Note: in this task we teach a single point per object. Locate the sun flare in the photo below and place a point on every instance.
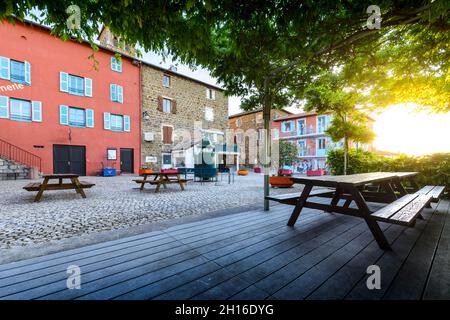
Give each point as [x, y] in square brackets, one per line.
[403, 129]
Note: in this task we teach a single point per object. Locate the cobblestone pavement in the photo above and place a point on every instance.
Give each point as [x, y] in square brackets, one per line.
[112, 203]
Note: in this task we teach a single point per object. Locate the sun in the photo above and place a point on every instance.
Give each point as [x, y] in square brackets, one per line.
[402, 129]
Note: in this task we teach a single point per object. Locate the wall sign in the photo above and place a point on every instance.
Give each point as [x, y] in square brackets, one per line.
[112, 154]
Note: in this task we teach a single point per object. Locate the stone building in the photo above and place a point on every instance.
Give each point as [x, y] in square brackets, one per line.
[246, 126]
[172, 106]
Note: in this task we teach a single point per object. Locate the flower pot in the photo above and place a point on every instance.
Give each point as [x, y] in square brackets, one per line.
[242, 172]
[281, 182]
[145, 171]
[319, 172]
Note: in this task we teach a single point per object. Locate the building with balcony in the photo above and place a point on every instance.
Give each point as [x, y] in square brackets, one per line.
[75, 109]
[307, 130]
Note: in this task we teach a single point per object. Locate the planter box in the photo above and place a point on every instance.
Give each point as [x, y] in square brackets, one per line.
[280, 182]
[319, 172]
[285, 172]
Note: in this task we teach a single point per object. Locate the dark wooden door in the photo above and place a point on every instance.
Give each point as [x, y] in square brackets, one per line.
[126, 161]
[69, 159]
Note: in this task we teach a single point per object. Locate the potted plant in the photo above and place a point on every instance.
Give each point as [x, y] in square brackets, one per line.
[145, 169]
[288, 154]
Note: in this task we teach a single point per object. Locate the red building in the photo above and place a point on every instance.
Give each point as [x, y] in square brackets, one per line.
[77, 110]
[307, 130]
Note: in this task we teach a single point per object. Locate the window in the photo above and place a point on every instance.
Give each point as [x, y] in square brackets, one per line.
[167, 134]
[302, 148]
[301, 127]
[15, 71]
[116, 122]
[209, 114]
[116, 64]
[166, 81]
[75, 85]
[287, 126]
[76, 117]
[116, 93]
[210, 94]
[167, 105]
[321, 124]
[20, 110]
[321, 143]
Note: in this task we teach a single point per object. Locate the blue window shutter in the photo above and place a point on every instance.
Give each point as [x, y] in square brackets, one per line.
[126, 123]
[63, 82]
[88, 87]
[113, 92]
[64, 115]
[4, 107]
[107, 121]
[28, 73]
[5, 68]
[36, 111]
[120, 94]
[89, 118]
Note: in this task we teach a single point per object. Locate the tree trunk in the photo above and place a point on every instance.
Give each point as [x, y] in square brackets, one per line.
[267, 141]
[345, 154]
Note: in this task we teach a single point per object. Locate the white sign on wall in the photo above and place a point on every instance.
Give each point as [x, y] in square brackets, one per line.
[151, 159]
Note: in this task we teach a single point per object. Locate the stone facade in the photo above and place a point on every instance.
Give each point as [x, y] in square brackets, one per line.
[252, 120]
[189, 97]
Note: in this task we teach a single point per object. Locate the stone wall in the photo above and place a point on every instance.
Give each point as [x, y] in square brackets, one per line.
[191, 101]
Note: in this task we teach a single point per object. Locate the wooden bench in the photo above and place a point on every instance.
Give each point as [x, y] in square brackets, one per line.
[56, 186]
[292, 198]
[434, 191]
[404, 210]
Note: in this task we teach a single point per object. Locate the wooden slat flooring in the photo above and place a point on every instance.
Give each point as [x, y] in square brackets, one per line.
[250, 255]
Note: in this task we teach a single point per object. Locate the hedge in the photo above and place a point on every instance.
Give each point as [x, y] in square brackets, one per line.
[433, 169]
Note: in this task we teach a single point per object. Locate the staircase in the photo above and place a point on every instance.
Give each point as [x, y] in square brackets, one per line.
[11, 170]
[17, 163]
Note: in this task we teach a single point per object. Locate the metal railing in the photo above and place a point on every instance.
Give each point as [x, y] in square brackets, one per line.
[19, 155]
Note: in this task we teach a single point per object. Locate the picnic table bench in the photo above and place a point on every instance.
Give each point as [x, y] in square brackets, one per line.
[74, 184]
[403, 208]
[161, 179]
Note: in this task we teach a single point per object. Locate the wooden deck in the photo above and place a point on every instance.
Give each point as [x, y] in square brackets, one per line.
[250, 255]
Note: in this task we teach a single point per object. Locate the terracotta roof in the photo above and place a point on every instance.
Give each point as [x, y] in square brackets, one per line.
[253, 111]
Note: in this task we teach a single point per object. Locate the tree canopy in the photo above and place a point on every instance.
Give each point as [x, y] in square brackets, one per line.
[246, 42]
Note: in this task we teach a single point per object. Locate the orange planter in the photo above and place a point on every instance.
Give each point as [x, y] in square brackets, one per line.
[280, 182]
[242, 172]
[142, 171]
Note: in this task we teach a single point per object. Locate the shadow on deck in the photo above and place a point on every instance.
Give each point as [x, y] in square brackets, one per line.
[250, 255]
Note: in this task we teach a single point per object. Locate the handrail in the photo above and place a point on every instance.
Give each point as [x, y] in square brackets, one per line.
[20, 155]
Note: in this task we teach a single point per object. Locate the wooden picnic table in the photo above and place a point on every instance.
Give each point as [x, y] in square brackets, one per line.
[74, 184]
[161, 179]
[352, 188]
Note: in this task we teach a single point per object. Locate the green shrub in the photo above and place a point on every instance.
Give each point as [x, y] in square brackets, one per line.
[433, 169]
